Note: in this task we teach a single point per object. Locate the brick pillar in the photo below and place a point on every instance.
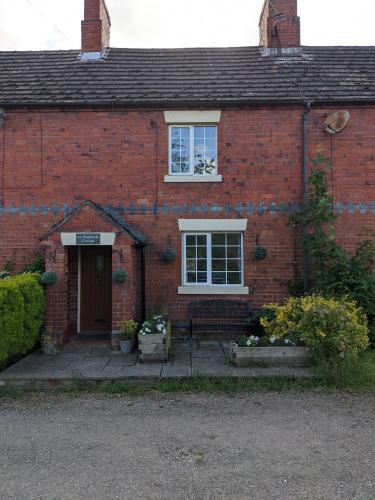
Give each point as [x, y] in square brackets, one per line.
[124, 294]
[279, 24]
[56, 316]
[96, 27]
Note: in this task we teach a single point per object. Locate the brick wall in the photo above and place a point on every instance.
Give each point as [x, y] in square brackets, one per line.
[284, 34]
[64, 157]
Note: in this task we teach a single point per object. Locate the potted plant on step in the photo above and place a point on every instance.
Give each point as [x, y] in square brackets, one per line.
[127, 335]
[154, 339]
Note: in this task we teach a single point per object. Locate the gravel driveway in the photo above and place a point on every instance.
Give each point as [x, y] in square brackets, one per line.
[254, 446]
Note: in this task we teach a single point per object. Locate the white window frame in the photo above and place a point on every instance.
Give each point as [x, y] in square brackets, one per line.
[215, 176]
[209, 283]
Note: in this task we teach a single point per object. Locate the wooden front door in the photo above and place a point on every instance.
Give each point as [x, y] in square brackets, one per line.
[96, 289]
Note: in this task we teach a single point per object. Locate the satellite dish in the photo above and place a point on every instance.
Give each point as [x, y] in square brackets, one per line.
[336, 123]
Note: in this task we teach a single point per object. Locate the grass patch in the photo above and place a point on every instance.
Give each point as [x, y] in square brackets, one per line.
[359, 379]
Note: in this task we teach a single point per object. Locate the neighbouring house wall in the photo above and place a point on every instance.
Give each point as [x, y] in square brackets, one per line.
[51, 161]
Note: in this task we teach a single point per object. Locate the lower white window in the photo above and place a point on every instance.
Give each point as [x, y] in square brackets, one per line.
[213, 259]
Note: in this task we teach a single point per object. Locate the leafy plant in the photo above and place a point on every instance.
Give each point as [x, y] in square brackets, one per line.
[120, 276]
[254, 320]
[49, 342]
[37, 265]
[128, 329]
[49, 278]
[21, 316]
[334, 329]
[333, 271]
[155, 324]
[9, 266]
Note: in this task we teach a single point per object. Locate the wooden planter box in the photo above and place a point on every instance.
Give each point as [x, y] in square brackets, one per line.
[154, 348]
[271, 356]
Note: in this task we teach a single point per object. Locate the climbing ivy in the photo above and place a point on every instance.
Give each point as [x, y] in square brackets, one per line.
[332, 270]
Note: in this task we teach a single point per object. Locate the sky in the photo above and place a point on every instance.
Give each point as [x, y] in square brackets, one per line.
[55, 24]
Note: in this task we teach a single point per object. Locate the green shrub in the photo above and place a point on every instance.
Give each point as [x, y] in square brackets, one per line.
[334, 329]
[21, 315]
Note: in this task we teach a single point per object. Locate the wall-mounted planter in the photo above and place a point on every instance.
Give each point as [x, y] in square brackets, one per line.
[270, 356]
[260, 253]
[169, 255]
[48, 278]
[153, 348]
[120, 276]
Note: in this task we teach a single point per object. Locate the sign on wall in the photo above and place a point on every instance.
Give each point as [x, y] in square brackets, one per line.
[88, 239]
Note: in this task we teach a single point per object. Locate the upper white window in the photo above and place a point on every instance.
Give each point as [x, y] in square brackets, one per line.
[193, 150]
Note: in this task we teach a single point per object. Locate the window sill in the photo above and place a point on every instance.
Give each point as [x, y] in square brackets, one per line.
[213, 290]
[193, 178]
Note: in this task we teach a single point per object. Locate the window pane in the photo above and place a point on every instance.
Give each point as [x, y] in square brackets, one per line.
[202, 277]
[191, 265]
[191, 239]
[180, 149]
[202, 252]
[202, 239]
[191, 252]
[191, 278]
[234, 238]
[234, 265]
[205, 150]
[234, 278]
[210, 132]
[202, 265]
[234, 252]
[218, 239]
[218, 278]
[218, 252]
[218, 265]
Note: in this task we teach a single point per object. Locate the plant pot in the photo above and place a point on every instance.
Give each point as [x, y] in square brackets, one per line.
[271, 356]
[126, 346]
[153, 348]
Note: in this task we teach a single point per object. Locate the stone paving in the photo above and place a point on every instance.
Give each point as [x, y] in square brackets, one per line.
[82, 362]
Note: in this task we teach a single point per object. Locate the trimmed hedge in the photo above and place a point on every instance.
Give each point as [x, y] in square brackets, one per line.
[21, 315]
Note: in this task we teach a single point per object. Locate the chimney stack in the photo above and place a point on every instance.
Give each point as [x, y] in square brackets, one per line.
[96, 28]
[279, 24]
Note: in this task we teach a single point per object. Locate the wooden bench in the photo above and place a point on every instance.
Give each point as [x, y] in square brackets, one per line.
[219, 319]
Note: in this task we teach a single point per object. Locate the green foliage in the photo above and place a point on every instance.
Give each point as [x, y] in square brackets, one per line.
[49, 278]
[254, 321]
[4, 275]
[169, 255]
[37, 265]
[333, 271]
[128, 329]
[21, 315]
[334, 329]
[9, 266]
[120, 276]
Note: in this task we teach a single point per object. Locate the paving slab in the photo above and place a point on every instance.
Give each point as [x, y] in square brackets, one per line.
[101, 363]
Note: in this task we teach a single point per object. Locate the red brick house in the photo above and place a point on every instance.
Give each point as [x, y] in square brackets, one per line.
[110, 156]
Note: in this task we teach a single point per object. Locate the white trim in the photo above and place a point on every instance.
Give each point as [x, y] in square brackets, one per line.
[193, 178]
[79, 292]
[213, 290]
[106, 239]
[192, 116]
[225, 225]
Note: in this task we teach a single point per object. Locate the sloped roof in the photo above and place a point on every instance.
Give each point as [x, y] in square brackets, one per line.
[123, 226]
[172, 77]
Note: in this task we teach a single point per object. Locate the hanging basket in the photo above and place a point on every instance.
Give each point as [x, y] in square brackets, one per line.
[169, 255]
[120, 276]
[260, 253]
[48, 278]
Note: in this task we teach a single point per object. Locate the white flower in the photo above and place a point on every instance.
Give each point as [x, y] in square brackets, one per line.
[286, 341]
[248, 343]
[257, 339]
[273, 339]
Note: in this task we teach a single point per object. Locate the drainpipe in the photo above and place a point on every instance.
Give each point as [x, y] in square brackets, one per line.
[306, 266]
[143, 276]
